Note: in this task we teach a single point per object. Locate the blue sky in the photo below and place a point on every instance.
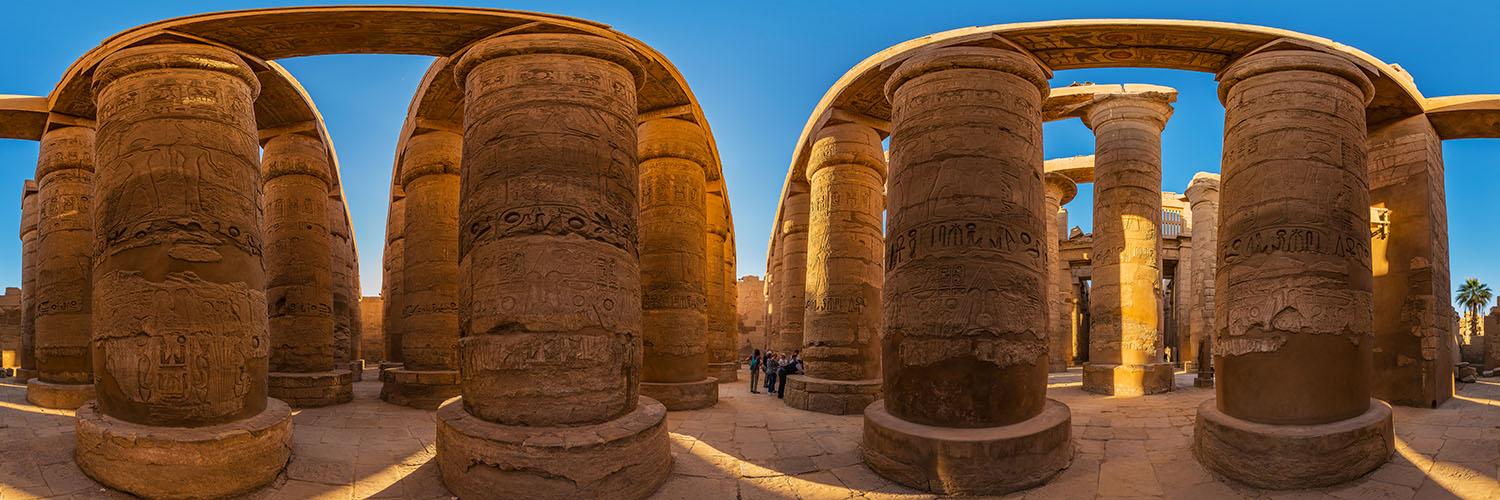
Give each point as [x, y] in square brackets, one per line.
[759, 68]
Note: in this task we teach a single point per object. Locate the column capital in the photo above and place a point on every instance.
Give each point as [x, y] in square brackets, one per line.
[990, 58]
[1060, 189]
[1272, 61]
[28, 207]
[547, 43]
[66, 148]
[1204, 187]
[675, 138]
[434, 153]
[295, 154]
[1150, 106]
[174, 56]
[847, 144]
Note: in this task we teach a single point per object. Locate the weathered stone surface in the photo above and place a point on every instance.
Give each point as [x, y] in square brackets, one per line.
[423, 389]
[973, 461]
[64, 256]
[372, 329]
[1285, 457]
[28, 279]
[169, 463]
[51, 395]
[345, 280]
[838, 397]
[391, 286]
[678, 396]
[722, 355]
[1203, 197]
[1128, 380]
[1060, 190]
[312, 389]
[791, 277]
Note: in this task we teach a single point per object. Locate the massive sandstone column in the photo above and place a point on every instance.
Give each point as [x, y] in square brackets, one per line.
[345, 295]
[841, 325]
[550, 286]
[965, 332]
[674, 157]
[1125, 338]
[391, 286]
[429, 275]
[1060, 190]
[774, 287]
[722, 363]
[179, 337]
[299, 275]
[63, 261]
[1292, 347]
[793, 267]
[1067, 314]
[28, 280]
[732, 296]
[1203, 199]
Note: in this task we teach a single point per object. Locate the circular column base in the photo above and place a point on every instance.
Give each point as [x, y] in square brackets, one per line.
[725, 372]
[627, 458]
[311, 390]
[357, 370]
[835, 397]
[184, 463]
[981, 461]
[683, 395]
[1057, 366]
[1128, 380]
[1203, 382]
[423, 389]
[65, 396]
[25, 374]
[1284, 457]
[386, 366]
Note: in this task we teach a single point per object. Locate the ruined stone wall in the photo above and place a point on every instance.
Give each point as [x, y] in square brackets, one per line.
[372, 329]
[752, 308]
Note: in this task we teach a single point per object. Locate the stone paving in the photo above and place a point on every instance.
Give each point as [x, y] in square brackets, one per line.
[753, 447]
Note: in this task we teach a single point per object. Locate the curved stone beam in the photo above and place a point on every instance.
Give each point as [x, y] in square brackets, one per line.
[1079, 169]
[22, 117]
[1465, 116]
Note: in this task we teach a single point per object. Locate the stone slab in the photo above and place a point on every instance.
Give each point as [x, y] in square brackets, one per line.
[982, 461]
[25, 374]
[65, 396]
[311, 390]
[685, 395]
[1283, 457]
[625, 458]
[835, 397]
[1128, 380]
[724, 372]
[424, 389]
[1203, 382]
[171, 463]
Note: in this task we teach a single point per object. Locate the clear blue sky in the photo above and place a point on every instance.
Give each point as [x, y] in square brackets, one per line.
[759, 68]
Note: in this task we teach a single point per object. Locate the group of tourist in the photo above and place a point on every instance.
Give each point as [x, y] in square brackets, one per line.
[776, 367]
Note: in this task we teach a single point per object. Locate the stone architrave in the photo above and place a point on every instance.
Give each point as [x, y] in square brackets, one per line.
[429, 277]
[845, 247]
[179, 339]
[1203, 199]
[793, 276]
[550, 285]
[1292, 350]
[1125, 299]
[674, 158]
[28, 280]
[304, 371]
[391, 287]
[1060, 190]
[721, 354]
[965, 332]
[64, 262]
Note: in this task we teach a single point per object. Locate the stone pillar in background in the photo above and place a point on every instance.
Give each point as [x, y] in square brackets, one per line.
[1060, 191]
[64, 252]
[732, 296]
[674, 157]
[1184, 290]
[429, 276]
[299, 275]
[345, 297]
[774, 288]
[1292, 350]
[841, 329]
[1203, 199]
[391, 286]
[372, 329]
[551, 346]
[965, 330]
[1067, 316]
[723, 364]
[28, 281]
[794, 268]
[1413, 356]
[1125, 338]
[179, 334]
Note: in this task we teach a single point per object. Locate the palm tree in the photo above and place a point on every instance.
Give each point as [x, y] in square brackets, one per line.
[1473, 295]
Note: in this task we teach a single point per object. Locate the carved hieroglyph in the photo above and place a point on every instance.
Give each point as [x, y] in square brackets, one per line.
[673, 153]
[1060, 190]
[1203, 195]
[720, 340]
[179, 337]
[391, 286]
[344, 276]
[64, 254]
[429, 277]
[299, 286]
[793, 275]
[28, 276]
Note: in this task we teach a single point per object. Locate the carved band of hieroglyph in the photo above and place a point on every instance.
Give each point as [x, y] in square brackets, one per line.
[1259, 323]
[559, 350]
[978, 235]
[1296, 239]
[554, 220]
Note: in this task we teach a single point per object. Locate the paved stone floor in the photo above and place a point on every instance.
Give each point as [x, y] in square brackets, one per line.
[751, 447]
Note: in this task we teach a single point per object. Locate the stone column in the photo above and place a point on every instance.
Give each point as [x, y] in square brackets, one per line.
[775, 286]
[550, 286]
[965, 330]
[1292, 347]
[63, 261]
[1125, 338]
[1203, 199]
[1059, 191]
[722, 363]
[391, 287]
[1067, 301]
[429, 276]
[841, 329]
[673, 160]
[299, 275]
[794, 268]
[28, 281]
[179, 339]
[345, 298]
[732, 296]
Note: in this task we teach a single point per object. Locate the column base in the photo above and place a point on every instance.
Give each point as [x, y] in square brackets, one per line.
[25, 374]
[725, 372]
[311, 390]
[1190, 366]
[386, 366]
[423, 389]
[627, 458]
[683, 395]
[1057, 366]
[836, 397]
[357, 370]
[982, 461]
[1128, 380]
[184, 463]
[1284, 457]
[1203, 382]
[64, 396]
